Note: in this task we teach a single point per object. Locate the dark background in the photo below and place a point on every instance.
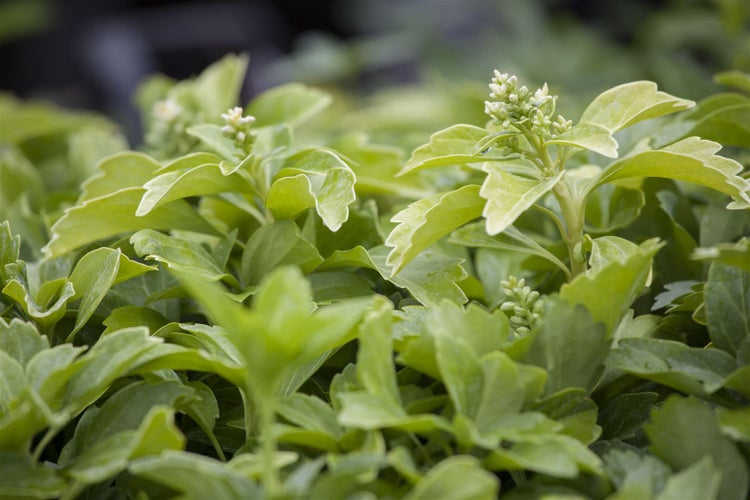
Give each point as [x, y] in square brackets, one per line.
[91, 54]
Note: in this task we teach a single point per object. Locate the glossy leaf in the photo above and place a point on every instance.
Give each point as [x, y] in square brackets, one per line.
[120, 171]
[425, 221]
[630, 103]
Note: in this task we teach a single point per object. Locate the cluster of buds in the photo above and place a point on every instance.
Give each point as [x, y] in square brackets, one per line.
[167, 131]
[523, 305]
[519, 108]
[237, 127]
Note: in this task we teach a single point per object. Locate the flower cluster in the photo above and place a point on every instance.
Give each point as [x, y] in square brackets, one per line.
[518, 107]
[166, 135]
[237, 127]
[523, 305]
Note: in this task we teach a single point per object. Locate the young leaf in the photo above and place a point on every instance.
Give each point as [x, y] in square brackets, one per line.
[590, 136]
[114, 214]
[734, 254]
[630, 103]
[701, 480]
[509, 195]
[451, 146]
[217, 88]
[425, 221]
[292, 103]
[692, 160]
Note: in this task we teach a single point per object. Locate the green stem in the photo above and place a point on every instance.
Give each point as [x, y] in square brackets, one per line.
[271, 481]
[573, 216]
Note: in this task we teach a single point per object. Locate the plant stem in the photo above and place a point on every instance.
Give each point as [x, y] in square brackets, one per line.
[271, 482]
[573, 216]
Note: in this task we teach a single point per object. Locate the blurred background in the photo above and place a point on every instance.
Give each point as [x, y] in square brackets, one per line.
[90, 54]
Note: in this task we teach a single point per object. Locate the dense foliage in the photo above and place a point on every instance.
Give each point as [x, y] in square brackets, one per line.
[264, 302]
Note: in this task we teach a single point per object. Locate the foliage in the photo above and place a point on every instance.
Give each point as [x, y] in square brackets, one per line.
[254, 306]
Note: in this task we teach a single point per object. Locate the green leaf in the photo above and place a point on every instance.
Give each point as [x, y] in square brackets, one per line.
[575, 410]
[292, 103]
[274, 245]
[180, 254]
[114, 214]
[685, 431]
[20, 418]
[570, 345]
[692, 160]
[22, 478]
[10, 248]
[612, 207]
[281, 333]
[626, 414]
[327, 184]
[21, 340]
[555, 455]
[475, 235]
[48, 306]
[734, 254]
[199, 180]
[218, 87]
[213, 137]
[727, 299]
[95, 274]
[310, 412]
[430, 277]
[509, 195]
[128, 407]
[196, 476]
[722, 118]
[590, 136]
[456, 477]
[700, 481]
[620, 267]
[425, 221]
[376, 371]
[111, 454]
[630, 103]
[128, 169]
[735, 79]
[454, 145]
[109, 358]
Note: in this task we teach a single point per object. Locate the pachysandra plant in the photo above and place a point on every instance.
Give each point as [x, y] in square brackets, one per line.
[533, 158]
[221, 314]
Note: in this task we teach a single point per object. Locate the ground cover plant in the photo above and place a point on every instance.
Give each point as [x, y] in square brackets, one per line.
[265, 302]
